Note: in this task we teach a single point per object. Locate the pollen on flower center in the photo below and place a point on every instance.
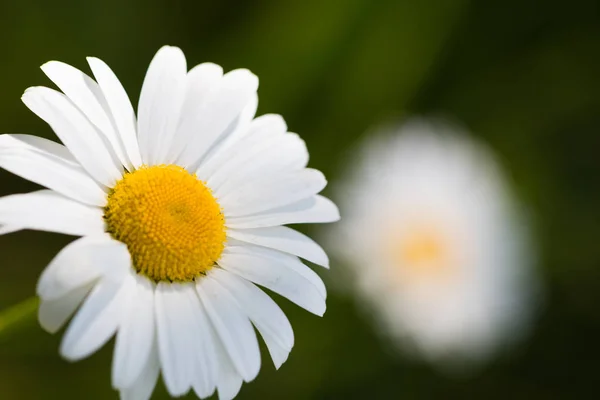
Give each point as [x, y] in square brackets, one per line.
[171, 223]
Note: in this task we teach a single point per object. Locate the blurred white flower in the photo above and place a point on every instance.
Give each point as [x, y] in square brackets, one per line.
[434, 244]
[181, 212]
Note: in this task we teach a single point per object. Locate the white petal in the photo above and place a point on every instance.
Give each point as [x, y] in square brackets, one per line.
[283, 239]
[45, 146]
[205, 378]
[279, 354]
[120, 107]
[82, 139]
[276, 191]
[224, 163]
[229, 381]
[239, 128]
[271, 123]
[135, 336]
[202, 84]
[232, 327]
[79, 263]
[53, 314]
[98, 318]
[268, 318]
[185, 341]
[285, 261]
[286, 153]
[42, 161]
[4, 229]
[209, 123]
[173, 312]
[46, 210]
[313, 210]
[85, 93]
[160, 103]
[277, 271]
[236, 131]
[144, 386]
[229, 384]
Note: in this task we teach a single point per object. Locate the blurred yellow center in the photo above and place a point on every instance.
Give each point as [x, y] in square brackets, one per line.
[422, 248]
[422, 252]
[171, 223]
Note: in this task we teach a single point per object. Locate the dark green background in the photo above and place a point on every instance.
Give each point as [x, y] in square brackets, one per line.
[522, 75]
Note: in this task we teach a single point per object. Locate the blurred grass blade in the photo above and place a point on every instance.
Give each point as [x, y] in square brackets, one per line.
[21, 314]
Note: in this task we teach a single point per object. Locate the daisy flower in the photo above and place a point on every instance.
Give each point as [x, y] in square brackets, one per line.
[180, 213]
[433, 243]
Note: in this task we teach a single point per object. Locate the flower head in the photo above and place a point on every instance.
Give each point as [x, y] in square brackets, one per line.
[180, 212]
[434, 244]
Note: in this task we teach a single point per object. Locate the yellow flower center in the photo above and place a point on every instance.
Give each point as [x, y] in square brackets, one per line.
[423, 248]
[170, 221]
[422, 252]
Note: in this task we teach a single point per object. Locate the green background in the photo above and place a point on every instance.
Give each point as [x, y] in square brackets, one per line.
[522, 75]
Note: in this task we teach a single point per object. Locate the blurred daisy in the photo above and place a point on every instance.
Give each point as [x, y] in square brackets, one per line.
[433, 242]
[180, 213]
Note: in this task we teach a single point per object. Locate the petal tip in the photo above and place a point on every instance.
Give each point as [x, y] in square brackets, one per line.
[49, 64]
[28, 91]
[170, 50]
[68, 354]
[321, 313]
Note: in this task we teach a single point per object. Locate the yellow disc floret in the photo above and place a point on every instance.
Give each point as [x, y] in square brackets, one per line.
[171, 223]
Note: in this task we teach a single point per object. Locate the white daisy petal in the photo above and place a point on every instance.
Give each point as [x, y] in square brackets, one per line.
[42, 145]
[4, 229]
[279, 354]
[285, 154]
[52, 314]
[232, 327]
[144, 385]
[284, 260]
[173, 313]
[236, 89]
[85, 93]
[185, 341]
[120, 107]
[135, 337]
[205, 377]
[283, 239]
[274, 124]
[278, 191]
[82, 139]
[160, 103]
[260, 137]
[43, 161]
[239, 128]
[202, 84]
[98, 318]
[278, 272]
[79, 263]
[229, 381]
[46, 210]
[268, 318]
[236, 131]
[317, 209]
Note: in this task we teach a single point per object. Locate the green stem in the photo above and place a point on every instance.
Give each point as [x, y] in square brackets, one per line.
[18, 315]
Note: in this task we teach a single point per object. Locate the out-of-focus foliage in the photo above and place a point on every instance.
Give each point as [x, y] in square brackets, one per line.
[523, 75]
